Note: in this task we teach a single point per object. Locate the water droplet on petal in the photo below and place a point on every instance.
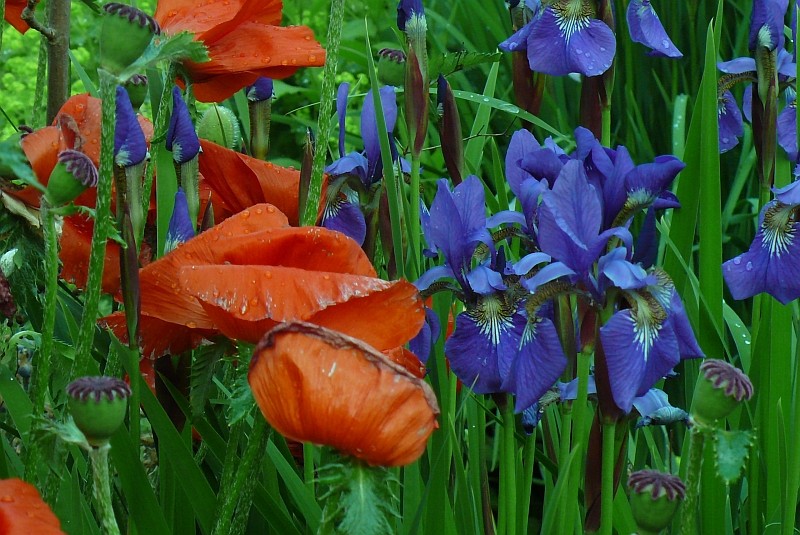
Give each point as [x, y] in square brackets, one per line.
[737, 260]
[749, 266]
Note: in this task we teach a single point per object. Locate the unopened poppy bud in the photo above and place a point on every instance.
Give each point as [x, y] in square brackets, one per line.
[73, 173]
[98, 406]
[136, 86]
[220, 125]
[720, 388]
[391, 66]
[654, 498]
[125, 32]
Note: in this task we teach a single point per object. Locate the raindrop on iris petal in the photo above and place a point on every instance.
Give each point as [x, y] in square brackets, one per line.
[602, 49]
[748, 266]
[665, 43]
[725, 140]
[737, 260]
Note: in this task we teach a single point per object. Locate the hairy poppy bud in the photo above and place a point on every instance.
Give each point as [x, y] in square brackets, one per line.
[73, 173]
[654, 498]
[720, 388]
[124, 34]
[220, 125]
[98, 406]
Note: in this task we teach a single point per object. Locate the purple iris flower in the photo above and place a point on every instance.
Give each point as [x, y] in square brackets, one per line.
[181, 137]
[787, 129]
[645, 27]
[130, 146]
[421, 344]
[643, 342]
[408, 9]
[180, 228]
[496, 345]
[731, 126]
[772, 264]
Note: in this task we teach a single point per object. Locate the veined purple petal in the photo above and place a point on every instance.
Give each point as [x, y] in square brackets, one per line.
[591, 50]
[787, 131]
[341, 112]
[747, 103]
[521, 143]
[789, 194]
[647, 181]
[421, 344]
[434, 274]
[130, 146]
[646, 249]
[181, 136]
[528, 262]
[737, 66]
[353, 164]
[518, 41]
[772, 264]
[484, 280]
[646, 28]
[537, 365]
[343, 214]
[653, 400]
[505, 217]
[548, 273]
[180, 228]
[613, 188]
[766, 23]
[541, 164]
[425, 222]
[687, 343]
[624, 274]
[731, 127]
[786, 65]
[369, 126]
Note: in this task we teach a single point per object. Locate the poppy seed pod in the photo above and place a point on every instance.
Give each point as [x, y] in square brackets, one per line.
[391, 66]
[720, 389]
[98, 406]
[73, 173]
[318, 385]
[124, 34]
[136, 86]
[654, 498]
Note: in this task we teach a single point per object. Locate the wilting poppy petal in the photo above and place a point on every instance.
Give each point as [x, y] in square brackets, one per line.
[238, 181]
[406, 359]
[317, 385]
[22, 510]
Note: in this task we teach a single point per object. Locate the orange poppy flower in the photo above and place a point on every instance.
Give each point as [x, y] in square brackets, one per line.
[244, 40]
[317, 385]
[252, 271]
[22, 510]
[13, 14]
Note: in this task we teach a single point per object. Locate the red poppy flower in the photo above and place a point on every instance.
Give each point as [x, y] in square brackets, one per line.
[244, 40]
[317, 385]
[253, 271]
[23, 512]
[13, 14]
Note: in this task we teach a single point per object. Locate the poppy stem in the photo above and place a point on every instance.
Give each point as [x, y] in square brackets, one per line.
[693, 471]
[310, 210]
[102, 489]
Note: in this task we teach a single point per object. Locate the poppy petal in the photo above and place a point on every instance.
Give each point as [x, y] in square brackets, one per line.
[320, 386]
[76, 245]
[22, 510]
[182, 15]
[13, 14]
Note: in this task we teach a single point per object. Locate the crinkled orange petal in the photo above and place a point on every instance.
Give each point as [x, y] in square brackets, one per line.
[263, 12]
[317, 385]
[76, 245]
[246, 301]
[238, 181]
[219, 88]
[23, 512]
[157, 337]
[406, 359]
[13, 14]
[175, 16]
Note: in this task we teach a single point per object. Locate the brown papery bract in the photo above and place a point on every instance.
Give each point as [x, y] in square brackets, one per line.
[317, 385]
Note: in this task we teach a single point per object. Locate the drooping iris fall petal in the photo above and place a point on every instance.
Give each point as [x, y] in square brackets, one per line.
[317, 385]
[244, 41]
[23, 512]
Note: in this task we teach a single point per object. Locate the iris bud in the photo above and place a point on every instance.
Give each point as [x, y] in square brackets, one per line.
[98, 406]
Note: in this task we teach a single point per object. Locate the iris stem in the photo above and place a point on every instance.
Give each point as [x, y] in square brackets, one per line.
[41, 372]
[509, 498]
[310, 210]
[607, 488]
[102, 223]
[693, 473]
[102, 489]
[579, 412]
[414, 224]
[565, 508]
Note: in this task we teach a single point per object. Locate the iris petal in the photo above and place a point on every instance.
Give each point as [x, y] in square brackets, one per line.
[646, 28]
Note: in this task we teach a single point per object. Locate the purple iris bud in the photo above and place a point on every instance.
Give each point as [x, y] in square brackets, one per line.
[261, 90]
[772, 264]
[181, 137]
[130, 146]
[406, 9]
[180, 228]
[766, 24]
[565, 37]
[645, 27]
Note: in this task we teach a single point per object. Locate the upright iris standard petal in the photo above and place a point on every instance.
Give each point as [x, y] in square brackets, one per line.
[341, 112]
[772, 264]
[646, 28]
[180, 228]
[130, 147]
[369, 127]
[181, 137]
[567, 38]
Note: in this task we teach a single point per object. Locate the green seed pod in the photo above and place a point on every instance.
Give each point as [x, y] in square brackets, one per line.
[654, 498]
[136, 86]
[73, 173]
[220, 125]
[125, 32]
[98, 406]
[391, 66]
[720, 388]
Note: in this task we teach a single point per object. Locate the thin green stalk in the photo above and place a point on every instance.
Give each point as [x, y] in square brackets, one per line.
[308, 466]
[564, 508]
[509, 482]
[693, 471]
[414, 224]
[102, 489]
[605, 112]
[607, 489]
[41, 372]
[580, 428]
[83, 352]
[529, 459]
[253, 453]
[2, 26]
[310, 210]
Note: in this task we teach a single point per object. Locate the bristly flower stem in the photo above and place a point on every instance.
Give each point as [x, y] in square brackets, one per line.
[83, 352]
[102, 489]
[310, 210]
[693, 471]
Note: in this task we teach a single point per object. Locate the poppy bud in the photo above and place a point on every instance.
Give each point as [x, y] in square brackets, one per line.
[98, 406]
[125, 32]
[73, 173]
[220, 125]
[720, 388]
[654, 499]
[391, 66]
[136, 86]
